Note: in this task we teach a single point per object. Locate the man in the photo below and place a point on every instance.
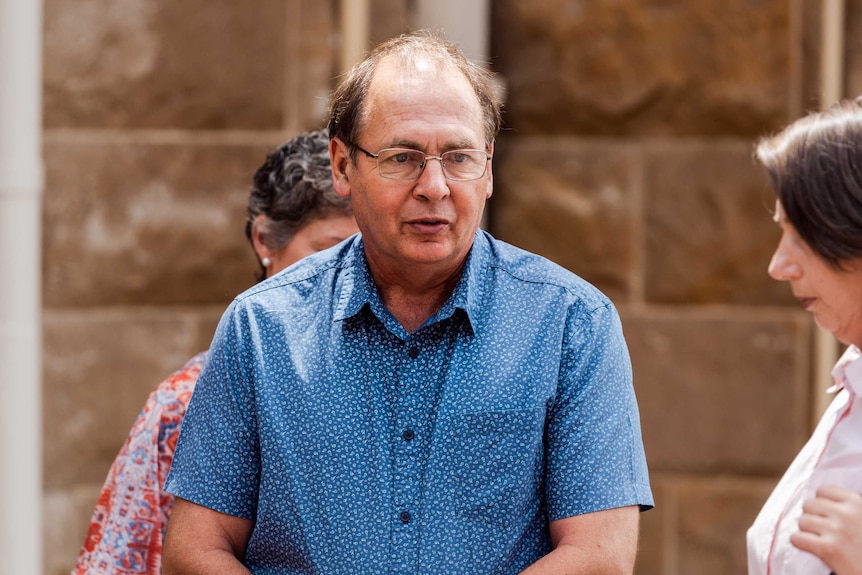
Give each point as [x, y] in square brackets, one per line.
[422, 398]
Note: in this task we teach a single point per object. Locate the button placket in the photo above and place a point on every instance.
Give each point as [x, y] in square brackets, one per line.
[410, 403]
[422, 371]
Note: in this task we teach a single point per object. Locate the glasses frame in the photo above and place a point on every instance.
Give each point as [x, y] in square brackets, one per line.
[427, 157]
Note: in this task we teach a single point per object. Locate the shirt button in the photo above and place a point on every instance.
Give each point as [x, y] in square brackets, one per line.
[408, 435]
[405, 517]
[413, 352]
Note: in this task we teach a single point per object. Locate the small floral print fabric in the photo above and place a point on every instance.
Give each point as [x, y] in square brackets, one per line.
[357, 447]
[131, 515]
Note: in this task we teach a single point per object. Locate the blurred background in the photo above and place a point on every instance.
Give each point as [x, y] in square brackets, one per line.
[626, 157]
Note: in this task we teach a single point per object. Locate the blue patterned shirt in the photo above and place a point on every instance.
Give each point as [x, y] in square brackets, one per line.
[357, 447]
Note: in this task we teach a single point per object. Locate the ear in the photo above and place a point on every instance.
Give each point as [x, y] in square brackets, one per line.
[490, 184]
[339, 155]
[257, 242]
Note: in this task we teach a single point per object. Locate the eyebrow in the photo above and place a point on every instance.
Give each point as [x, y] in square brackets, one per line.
[411, 145]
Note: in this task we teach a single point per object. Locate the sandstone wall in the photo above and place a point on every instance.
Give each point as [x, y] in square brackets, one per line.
[156, 115]
[626, 158]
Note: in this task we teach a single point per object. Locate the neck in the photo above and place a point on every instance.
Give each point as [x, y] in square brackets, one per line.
[412, 300]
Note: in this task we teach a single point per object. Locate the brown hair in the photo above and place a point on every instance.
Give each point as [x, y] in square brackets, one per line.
[815, 169]
[346, 104]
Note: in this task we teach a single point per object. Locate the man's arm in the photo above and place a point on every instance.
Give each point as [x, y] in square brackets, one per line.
[600, 543]
[201, 541]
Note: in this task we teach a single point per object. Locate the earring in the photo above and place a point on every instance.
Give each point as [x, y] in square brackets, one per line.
[266, 262]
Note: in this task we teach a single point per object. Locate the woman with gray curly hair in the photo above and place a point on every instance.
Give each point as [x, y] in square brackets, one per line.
[293, 212]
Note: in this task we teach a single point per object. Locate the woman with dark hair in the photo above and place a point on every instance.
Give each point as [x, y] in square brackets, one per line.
[293, 212]
[812, 522]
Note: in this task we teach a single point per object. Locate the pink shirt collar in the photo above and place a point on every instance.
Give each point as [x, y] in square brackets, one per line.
[848, 372]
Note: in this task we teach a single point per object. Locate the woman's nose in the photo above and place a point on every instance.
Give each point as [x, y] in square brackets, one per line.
[782, 267]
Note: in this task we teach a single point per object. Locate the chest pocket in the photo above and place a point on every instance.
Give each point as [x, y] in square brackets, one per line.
[498, 467]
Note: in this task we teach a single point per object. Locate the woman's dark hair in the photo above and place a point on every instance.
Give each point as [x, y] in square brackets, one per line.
[347, 103]
[815, 169]
[293, 187]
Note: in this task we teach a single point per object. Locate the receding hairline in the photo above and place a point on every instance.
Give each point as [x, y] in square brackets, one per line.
[418, 64]
[348, 100]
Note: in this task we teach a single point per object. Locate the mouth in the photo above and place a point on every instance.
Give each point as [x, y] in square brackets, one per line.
[805, 302]
[427, 226]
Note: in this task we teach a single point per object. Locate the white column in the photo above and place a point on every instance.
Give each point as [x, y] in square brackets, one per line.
[831, 90]
[832, 52]
[355, 31]
[21, 176]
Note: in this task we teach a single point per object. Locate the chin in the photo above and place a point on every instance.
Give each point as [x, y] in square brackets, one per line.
[429, 254]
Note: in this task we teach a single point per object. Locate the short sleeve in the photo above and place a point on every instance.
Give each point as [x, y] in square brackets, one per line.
[217, 458]
[595, 457]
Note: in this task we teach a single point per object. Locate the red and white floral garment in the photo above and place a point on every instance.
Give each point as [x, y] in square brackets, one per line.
[131, 515]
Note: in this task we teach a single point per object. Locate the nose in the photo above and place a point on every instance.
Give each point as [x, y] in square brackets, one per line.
[432, 185]
[782, 266]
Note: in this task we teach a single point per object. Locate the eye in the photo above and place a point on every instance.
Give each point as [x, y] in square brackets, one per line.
[458, 157]
[401, 157]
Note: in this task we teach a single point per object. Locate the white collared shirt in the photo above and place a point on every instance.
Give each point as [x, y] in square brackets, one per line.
[833, 455]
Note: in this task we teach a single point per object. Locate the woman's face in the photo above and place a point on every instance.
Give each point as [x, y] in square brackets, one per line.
[833, 295]
[315, 236]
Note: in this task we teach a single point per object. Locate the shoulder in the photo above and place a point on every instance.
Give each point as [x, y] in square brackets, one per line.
[530, 272]
[173, 394]
[305, 280]
[182, 381]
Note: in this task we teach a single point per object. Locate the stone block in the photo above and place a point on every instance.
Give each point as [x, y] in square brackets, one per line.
[720, 391]
[389, 18]
[652, 67]
[309, 62]
[66, 516]
[197, 64]
[699, 524]
[714, 515]
[146, 223]
[99, 368]
[709, 233]
[653, 543]
[571, 201]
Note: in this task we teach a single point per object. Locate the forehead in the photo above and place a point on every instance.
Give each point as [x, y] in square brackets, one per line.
[420, 99]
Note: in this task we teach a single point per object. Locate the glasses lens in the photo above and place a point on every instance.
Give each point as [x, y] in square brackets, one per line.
[464, 164]
[407, 164]
[400, 164]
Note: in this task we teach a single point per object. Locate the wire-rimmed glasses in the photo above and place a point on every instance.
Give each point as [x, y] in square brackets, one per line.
[408, 164]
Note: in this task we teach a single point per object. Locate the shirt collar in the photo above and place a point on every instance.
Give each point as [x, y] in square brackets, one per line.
[848, 371]
[356, 287]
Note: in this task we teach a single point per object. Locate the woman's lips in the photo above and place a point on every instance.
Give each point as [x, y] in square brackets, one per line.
[805, 302]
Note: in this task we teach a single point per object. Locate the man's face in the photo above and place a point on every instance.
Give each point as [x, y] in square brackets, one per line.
[429, 221]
